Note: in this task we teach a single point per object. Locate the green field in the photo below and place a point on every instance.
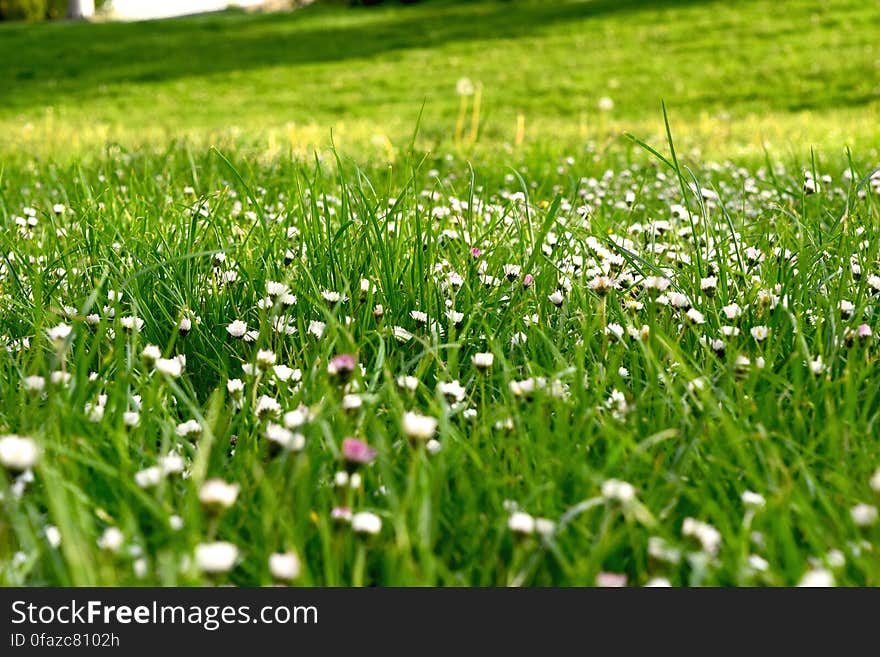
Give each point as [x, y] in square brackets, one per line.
[273, 308]
[736, 76]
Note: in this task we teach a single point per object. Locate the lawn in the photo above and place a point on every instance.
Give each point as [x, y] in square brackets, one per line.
[736, 76]
[526, 350]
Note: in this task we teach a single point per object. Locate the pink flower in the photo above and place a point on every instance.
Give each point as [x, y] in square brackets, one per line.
[864, 331]
[611, 580]
[341, 514]
[342, 366]
[528, 280]
[475, 252]
[357, 451]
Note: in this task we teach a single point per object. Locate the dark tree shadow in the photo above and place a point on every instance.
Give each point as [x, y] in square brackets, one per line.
[73, 56]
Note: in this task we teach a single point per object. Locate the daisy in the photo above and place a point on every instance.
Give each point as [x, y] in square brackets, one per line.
[453, 391]
[357, 452]
[284, 437]
[267, 407]
[420, 427]
[367, 523]
[265, 359]
[237, 328]
[171, 367]
[483, 361]
[521, 522]
[217, 494]
[18, 452]
[188, 428]
[759, 333]
[619, 491]
[284, 566]
[217, 557]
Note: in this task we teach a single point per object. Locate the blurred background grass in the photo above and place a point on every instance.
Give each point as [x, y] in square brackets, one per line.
[737, 77]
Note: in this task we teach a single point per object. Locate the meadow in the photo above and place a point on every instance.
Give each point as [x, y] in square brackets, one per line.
[442, 295]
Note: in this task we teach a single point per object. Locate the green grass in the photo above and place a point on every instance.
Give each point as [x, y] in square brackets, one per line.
[112, 207]
[795, 75]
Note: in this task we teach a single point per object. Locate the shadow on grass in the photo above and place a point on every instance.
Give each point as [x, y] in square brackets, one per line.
[44, 61]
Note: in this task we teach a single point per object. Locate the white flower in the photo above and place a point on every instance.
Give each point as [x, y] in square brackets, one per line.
[817, 577]
[276, 289]
[419, 316]
[140, 568]
[60, 378]
[171, 463]
[188, 428]
[316, 328]
[753, 500]
[59, 333]
[758, 563]
[732, 311]
[217, 493]
[544, 526]
[696, 316]
[556, 298]
[151, 352]
[52, 535]
[218, 557]
[172, 367]
[452, 390]
[131, 323]
[875, 481]
[34, 383]
[759, 333]
[18, 452]
[284, 437]
[454, 316]
[265, 359]
[285, 373]
[621, 491]
[614, 329]
[656, 284]
[365, 522]
[296, 418]
[401, 334]
[605, 104]
[706, 534]
[521, 522]
[267, 405]
[237, 329]
[111, 540]
[433, 446]
[148, 477]
[601, 285]
[709, 283]
[235, 387]
[464, 87]
[817, 366]
[352, 402]
[418, 426]
[285, 566]
[409, 383]
[512, 271]
[483, 361]
[658, 582]
[864, 515]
